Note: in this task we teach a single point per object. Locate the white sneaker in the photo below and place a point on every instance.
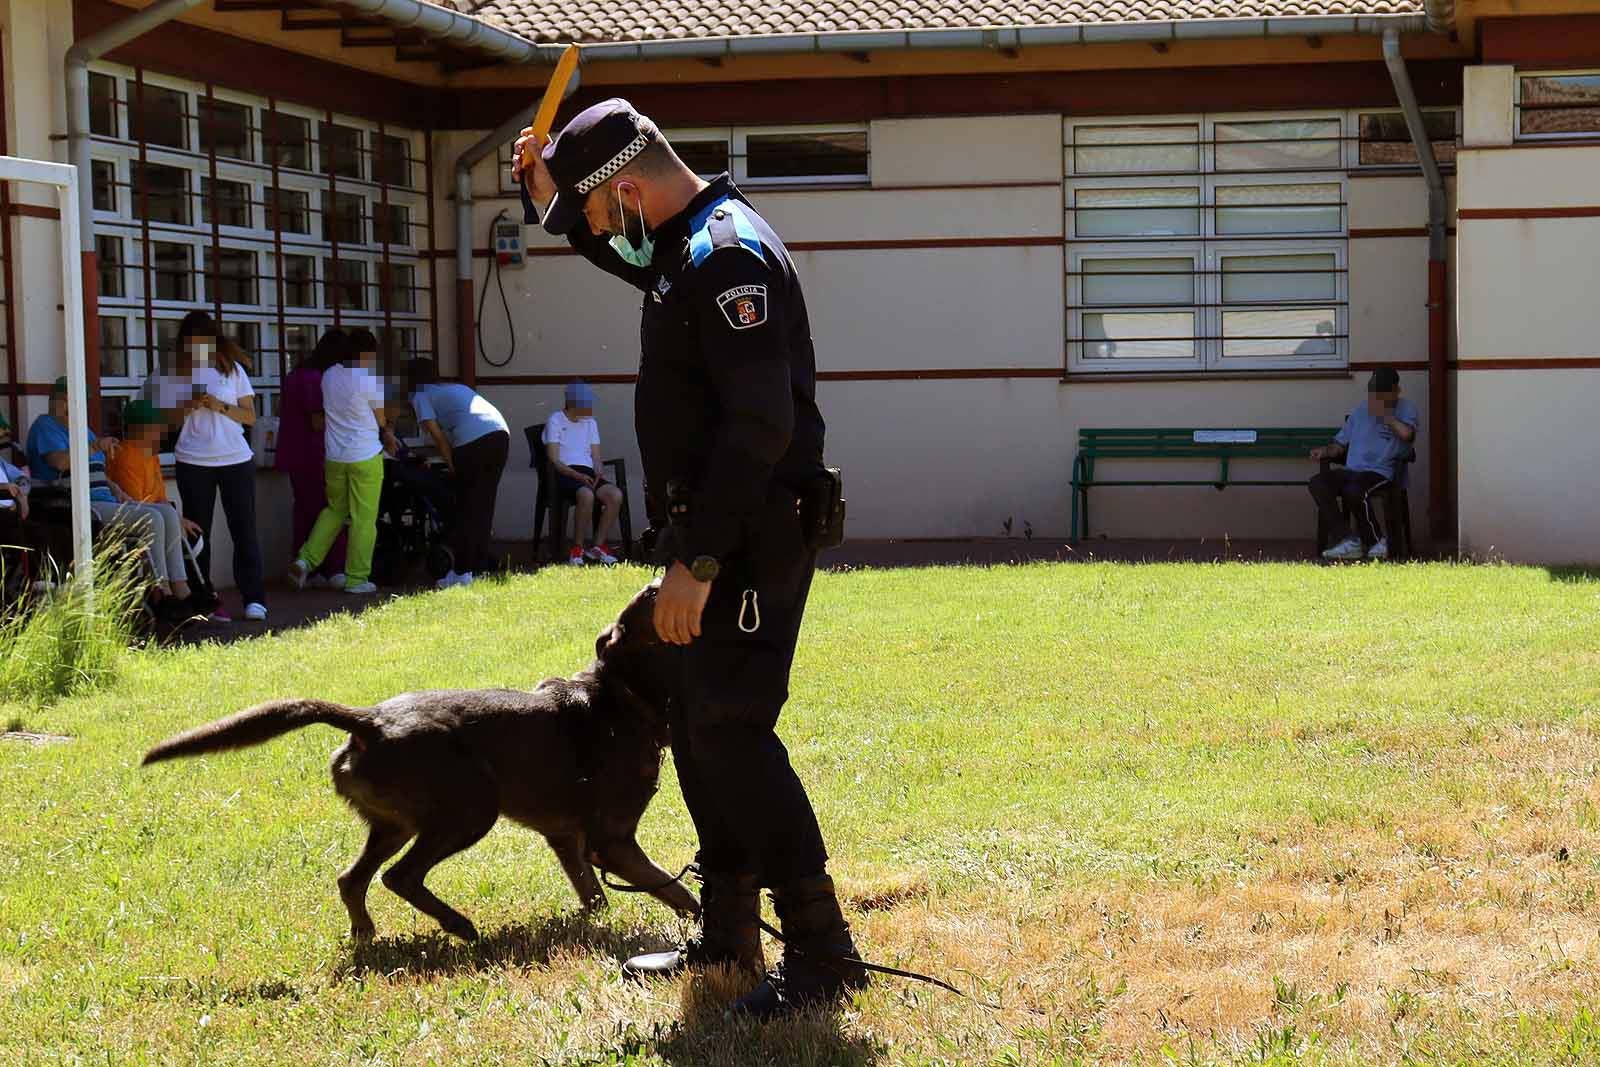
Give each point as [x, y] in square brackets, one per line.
[317, 581]
[600, 553]
[1349, 548]
[1379, 549]
[337, 581]
[299, 571]
[360, 588]
[464, 579]
[447, 581]
[255, 612]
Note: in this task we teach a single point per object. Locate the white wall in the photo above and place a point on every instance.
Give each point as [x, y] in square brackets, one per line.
[1528, 462]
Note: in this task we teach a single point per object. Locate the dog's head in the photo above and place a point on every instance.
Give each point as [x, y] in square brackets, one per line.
[630, 651]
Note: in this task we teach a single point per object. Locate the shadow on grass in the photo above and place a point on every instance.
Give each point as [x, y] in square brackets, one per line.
[1574, 575]
[710, 1036]
[518, 944]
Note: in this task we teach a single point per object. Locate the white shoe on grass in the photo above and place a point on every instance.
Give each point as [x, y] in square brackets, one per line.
[337, 581]
[360, 588]
[1379, 549]
[600, 553]
[447, 581]
[255, 611]
[299, 571]
[1349, 548]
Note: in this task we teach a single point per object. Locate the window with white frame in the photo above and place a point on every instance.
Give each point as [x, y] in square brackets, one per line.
[777, 155]
[1206, 242]
[1558, 105]
[279, 220]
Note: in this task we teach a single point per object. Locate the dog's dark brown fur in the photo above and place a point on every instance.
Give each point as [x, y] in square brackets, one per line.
[576, 760]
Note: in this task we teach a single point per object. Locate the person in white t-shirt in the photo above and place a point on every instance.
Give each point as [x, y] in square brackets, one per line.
[355, 435]
[572, 439]
[210, 393]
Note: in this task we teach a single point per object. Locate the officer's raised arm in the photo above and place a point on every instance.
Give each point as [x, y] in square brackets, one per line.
[739, 315]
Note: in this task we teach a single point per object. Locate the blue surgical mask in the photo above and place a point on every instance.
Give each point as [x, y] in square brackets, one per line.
[638, 255]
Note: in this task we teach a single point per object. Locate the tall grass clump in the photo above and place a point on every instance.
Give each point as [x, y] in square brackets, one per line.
[69, 639]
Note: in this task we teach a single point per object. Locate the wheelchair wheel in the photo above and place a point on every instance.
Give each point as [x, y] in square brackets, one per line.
[441, 561]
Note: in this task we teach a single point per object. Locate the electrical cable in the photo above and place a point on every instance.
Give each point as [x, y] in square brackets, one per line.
[499, 277]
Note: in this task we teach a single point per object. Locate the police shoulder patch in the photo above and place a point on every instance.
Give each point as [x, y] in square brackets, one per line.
[744, 306]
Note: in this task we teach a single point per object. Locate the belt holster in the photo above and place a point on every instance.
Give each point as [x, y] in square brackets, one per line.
[822, 510]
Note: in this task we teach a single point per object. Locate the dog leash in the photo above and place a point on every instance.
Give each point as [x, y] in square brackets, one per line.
[777, 935]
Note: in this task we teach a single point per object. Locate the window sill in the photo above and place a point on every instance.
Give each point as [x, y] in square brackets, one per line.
[1081, 377]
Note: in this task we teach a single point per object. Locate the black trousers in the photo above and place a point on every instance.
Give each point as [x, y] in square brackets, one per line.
[1355, 489]
[479, 466]
[749, 809]
[198, 488]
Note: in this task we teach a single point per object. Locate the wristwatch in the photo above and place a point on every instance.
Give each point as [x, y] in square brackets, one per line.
[705, 568]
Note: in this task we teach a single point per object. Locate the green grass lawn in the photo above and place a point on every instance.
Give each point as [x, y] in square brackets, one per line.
[1170, 812]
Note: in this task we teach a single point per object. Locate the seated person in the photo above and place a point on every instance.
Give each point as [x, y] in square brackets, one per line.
[1375, 437]
[16, 530]
[153, 527]
[135, 468]
[572, 437]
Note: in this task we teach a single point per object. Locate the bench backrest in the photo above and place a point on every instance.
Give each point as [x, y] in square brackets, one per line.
[1287, 442]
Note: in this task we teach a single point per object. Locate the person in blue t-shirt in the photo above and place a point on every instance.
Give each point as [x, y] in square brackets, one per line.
[1376, 437]
[473, 440]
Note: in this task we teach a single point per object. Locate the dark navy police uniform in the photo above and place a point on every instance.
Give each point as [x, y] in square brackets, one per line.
[726, 408]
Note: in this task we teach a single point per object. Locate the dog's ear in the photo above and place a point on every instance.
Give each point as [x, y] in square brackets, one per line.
[608, 640]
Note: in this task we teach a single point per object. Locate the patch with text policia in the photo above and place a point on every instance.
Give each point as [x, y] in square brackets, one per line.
[744, 306]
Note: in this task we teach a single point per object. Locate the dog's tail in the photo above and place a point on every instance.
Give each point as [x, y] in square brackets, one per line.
[262, 723]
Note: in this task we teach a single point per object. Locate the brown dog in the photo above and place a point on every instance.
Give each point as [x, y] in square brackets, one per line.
[576, 760]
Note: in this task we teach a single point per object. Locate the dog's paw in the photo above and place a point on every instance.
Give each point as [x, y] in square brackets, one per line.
[461, 926]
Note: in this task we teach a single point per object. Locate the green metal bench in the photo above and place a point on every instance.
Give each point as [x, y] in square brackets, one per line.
[1222, 445]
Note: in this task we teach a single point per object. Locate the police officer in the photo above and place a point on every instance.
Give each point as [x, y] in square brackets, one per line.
[731, 439]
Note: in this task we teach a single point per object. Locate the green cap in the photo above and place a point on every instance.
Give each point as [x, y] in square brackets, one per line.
[60, 386]
[140, 413]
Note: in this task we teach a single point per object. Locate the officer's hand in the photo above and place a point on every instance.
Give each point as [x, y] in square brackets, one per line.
[679, 604]
[537, 175]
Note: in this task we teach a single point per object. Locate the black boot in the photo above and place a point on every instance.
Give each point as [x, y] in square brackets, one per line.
[817, 950]
[730, 911]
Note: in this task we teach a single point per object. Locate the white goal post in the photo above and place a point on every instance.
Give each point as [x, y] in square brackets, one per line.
[64, 178]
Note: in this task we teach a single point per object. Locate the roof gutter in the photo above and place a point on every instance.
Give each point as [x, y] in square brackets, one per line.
[453, 28]
[1007, 37]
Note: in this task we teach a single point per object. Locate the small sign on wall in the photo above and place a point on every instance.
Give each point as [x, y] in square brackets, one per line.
[1224, 437]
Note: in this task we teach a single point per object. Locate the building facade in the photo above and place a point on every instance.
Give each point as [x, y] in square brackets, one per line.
[1004, 238]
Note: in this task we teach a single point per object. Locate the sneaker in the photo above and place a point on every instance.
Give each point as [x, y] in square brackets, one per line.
[219, 614]
[255, 611]
[360, 588]
[575, 557]
[447, 581]
[317, 581]
[600, 553]
[1379, 549]
[299, 571]
[1349, 548]
[464, 579]
[337, 581]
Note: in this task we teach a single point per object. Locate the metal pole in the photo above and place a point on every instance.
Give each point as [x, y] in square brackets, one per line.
[77, 395]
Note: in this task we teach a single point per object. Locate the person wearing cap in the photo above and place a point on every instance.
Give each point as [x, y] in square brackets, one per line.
[729, 432]
[1377, 435]
[572, 438]
[156, 528]
[135, 468]
[473, 440]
